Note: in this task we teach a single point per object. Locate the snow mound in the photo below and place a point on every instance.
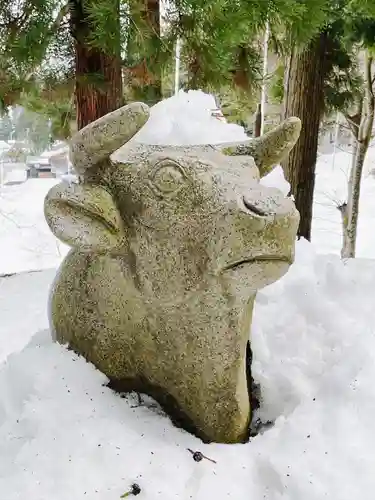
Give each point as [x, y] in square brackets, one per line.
[64, 435]
[185, 119]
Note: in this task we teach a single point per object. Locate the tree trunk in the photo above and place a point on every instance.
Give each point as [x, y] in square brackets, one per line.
[350, 212]
[98, 87]
[258, 121]
[304, 98]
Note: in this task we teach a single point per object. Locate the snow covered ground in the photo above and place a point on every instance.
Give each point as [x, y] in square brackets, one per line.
[65, 436]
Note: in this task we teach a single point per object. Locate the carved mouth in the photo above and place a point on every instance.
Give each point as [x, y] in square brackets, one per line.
[256, 259]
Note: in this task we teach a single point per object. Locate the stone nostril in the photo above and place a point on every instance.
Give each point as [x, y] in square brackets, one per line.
[254, 209]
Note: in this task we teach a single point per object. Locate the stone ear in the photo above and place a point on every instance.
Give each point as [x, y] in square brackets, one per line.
[271, 148]
[99, 139]
[84, 216]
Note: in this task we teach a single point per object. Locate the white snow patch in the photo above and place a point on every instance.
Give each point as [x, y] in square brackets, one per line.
[186, 118]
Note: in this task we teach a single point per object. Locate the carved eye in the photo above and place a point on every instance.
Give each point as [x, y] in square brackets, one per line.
[168, 178]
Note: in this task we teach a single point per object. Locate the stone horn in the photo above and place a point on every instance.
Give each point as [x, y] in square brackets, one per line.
[98, 140]
[269, 149]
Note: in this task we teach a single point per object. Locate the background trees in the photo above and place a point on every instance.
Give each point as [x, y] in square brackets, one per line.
[95, 29]
[321, 75]
[220, 46]
[76, 60]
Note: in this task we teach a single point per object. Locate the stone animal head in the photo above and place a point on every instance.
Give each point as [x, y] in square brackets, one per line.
[170, 245]
[184, 213]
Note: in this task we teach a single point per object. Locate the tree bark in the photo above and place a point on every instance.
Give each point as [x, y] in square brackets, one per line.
[350, 212]
[98, 88]
[304, 98]
[258, 121]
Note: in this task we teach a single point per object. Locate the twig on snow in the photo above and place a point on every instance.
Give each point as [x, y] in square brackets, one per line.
[135, 490]
[198, 456]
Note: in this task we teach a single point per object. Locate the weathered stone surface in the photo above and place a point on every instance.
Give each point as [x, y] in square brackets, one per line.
[270, 148]
[170, 246]
[99, 139]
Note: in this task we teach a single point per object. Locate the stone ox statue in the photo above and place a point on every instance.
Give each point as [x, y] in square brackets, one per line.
[169, 246]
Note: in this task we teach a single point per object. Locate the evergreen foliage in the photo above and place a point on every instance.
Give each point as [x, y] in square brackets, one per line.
[220, 38]
[221, 48]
